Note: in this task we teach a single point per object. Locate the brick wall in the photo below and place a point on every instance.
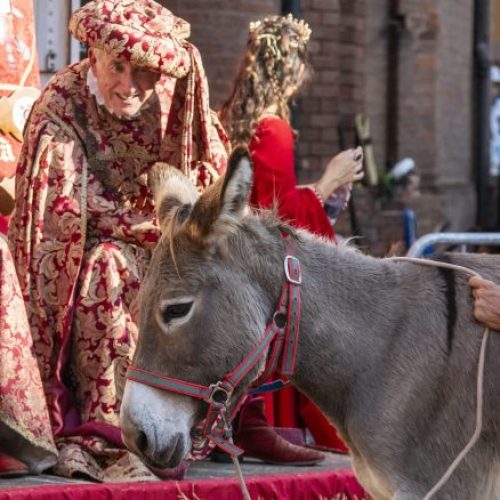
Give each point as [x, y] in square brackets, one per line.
[376, 75]
[418, 56]
[435, 108]
[219, 29]
[454, 82]
[349, 56]
[336, 92]
[454, 114]
[434, 116]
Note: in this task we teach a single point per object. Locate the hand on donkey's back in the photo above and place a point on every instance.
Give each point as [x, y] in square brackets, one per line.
[486, 302]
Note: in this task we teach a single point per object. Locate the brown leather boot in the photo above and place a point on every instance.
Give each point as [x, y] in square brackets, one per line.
[259, 440]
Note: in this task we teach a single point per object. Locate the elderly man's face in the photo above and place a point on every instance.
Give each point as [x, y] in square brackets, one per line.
[124, 87]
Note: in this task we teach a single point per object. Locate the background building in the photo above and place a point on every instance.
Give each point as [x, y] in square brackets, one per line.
[418, 69]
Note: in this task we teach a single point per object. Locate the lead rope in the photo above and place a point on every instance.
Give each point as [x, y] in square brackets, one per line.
[239, 472]
[480, 376]
[243, 486]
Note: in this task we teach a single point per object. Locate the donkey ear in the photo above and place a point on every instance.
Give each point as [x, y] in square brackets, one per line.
[237, 184]
[171, 189]
[221, 205]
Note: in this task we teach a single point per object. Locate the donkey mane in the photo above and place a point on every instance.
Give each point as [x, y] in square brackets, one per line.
[262, 223]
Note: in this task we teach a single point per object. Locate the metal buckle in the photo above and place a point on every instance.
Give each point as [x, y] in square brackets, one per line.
[215, 391]
[297, 281]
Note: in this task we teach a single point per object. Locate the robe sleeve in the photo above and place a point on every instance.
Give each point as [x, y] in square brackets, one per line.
[109, 220]
[47, 232]
[57, 201]
[275, 183]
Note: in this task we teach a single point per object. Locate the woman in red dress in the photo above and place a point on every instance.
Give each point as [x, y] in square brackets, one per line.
[258, 114]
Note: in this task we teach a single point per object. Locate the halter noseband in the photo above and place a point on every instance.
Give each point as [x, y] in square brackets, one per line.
[280, 339]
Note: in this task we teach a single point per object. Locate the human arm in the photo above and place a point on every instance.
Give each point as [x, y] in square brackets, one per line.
[130, 220]
[335, 185]
[68, 196]
[486, 302]
[341, 171]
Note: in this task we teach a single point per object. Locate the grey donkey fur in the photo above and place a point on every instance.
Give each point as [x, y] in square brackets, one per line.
[387, 350]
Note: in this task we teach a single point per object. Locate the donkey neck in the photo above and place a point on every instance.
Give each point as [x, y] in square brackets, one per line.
[344, 312]
[348, 309]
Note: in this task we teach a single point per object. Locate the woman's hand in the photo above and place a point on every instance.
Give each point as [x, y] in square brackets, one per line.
[345, 168]
[486, 302]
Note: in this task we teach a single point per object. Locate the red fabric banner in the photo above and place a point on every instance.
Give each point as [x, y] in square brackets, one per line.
[19, 77]
[341, 485]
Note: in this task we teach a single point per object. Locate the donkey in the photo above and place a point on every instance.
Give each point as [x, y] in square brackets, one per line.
[388, 350]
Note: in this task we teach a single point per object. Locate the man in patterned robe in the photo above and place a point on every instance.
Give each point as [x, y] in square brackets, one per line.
[84, 225]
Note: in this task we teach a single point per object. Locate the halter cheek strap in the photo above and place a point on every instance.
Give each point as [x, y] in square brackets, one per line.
[280, 339]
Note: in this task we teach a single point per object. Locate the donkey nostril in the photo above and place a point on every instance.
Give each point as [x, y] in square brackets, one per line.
[141, 442]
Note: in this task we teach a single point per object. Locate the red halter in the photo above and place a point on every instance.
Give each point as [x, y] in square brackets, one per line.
[280, 339]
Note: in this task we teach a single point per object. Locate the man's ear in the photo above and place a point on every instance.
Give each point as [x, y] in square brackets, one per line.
[220, 208]
[171, 189]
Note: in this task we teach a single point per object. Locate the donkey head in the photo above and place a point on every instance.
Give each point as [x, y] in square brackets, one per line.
[200, 314]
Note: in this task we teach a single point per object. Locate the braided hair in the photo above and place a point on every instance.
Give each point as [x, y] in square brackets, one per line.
[270, 74]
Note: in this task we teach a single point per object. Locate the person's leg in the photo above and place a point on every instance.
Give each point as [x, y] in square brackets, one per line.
[260, 440]
[104, 333]
[103, 339]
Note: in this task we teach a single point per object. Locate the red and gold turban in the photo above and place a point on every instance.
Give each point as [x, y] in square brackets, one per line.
[140, 31]
[150, 36]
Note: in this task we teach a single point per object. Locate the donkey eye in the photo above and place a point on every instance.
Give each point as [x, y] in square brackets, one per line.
[175, 311]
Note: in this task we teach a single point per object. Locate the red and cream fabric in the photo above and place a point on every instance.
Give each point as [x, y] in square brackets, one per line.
[24, 420]
[140, 31]
[81, 245]
[23, 412]
[149, 36]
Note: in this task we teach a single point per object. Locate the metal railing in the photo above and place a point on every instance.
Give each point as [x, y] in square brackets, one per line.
[463, 239]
